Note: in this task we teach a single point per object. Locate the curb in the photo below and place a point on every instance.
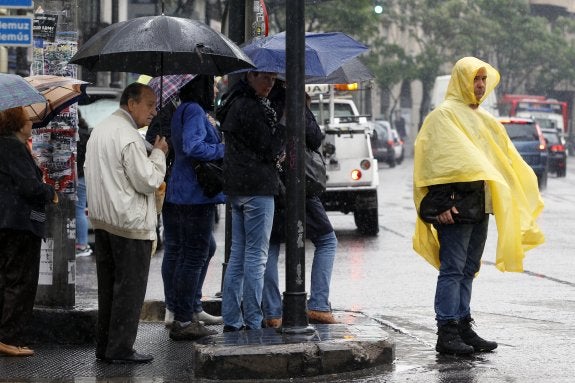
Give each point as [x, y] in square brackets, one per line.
[269, 354]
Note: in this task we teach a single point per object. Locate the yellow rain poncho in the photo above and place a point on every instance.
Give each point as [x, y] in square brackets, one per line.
[460, 144]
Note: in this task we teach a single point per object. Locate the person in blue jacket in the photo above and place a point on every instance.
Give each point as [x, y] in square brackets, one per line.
[188, 214]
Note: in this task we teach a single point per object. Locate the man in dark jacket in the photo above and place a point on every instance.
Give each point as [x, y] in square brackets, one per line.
[252, 155]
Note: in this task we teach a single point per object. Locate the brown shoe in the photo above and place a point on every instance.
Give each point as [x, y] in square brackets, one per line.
[325, 317]
[273, 323]
[7, 349]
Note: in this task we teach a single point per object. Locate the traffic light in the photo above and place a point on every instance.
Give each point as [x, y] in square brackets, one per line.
[378, 6]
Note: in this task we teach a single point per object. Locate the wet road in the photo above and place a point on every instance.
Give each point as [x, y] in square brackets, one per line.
[530, 314]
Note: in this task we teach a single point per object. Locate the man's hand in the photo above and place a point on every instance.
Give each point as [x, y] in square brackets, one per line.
[446, 218]
[161, 144]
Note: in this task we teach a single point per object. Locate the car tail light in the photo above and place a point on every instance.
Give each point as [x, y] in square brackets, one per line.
[356, 174]
[542, 144]
[557, 148]
[365, 164]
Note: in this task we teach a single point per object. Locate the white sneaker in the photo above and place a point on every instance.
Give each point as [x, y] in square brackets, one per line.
[208, 319]
[168, 318]
[83, 251]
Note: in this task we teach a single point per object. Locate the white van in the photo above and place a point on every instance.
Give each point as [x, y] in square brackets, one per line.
[440, 88]
[352, 170]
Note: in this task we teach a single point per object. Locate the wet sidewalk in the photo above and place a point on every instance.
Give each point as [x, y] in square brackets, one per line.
[257, 354]
[64, 343]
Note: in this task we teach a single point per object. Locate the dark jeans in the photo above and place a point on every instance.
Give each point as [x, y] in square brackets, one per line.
[460, 250]
[122, 266]
[19, 268]
[189, 245]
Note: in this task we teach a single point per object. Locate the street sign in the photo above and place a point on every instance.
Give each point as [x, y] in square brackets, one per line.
[15, 31]
[15, 3]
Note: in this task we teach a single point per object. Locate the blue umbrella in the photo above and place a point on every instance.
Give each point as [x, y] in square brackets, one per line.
[324, 52]
[16, 91]
[350, 72]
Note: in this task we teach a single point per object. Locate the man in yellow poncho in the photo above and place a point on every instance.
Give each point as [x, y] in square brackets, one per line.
[462, 144]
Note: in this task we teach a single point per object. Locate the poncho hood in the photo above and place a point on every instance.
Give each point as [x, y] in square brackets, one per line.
[459, 144]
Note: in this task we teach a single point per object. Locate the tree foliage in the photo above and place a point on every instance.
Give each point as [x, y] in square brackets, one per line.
[532, 54]
[421, 39]
[355, 18]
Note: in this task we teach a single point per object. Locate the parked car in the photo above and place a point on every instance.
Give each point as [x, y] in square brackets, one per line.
[557, 154]
[385, 143]
[398, 146]
[530, 143]
[99, 104]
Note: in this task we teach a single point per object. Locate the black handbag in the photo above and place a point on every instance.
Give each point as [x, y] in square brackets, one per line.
[210, 176]
[315, 173]
[467, 197]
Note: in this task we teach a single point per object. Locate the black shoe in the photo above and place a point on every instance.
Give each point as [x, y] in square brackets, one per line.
[471, 338]
[193, 331]
[449, 341]
[132, 358]
[233, 329]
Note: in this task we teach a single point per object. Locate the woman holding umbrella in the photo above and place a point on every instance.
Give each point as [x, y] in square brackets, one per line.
[23, 198]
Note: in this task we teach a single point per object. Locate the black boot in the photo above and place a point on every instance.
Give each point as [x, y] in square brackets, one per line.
[449, 341]
[471, 338]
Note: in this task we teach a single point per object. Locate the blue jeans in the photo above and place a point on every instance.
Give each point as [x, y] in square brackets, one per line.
[189, 245]
[460, 250]
[321, 269]
[252, 219]
[168, 287]
[81, 218]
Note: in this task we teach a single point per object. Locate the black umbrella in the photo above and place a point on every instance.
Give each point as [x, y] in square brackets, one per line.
[158, 45]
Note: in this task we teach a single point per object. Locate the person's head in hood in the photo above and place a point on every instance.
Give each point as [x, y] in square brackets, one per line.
[471, 81]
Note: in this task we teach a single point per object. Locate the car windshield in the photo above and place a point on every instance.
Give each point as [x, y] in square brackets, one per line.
[546, 123]
[521, 132]
[381, 132]
[552, 138]
[95, 112]
[340, 110]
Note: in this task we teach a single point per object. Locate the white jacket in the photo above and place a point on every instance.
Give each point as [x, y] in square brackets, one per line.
[121, 178]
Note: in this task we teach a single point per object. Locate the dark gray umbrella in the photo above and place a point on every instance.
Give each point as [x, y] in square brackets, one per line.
[350, 72]
[158, 45]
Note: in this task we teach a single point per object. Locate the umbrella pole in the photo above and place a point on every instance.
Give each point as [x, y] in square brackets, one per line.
[161, 86]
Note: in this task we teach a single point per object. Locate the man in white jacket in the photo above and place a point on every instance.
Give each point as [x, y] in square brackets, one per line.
[121, 179]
